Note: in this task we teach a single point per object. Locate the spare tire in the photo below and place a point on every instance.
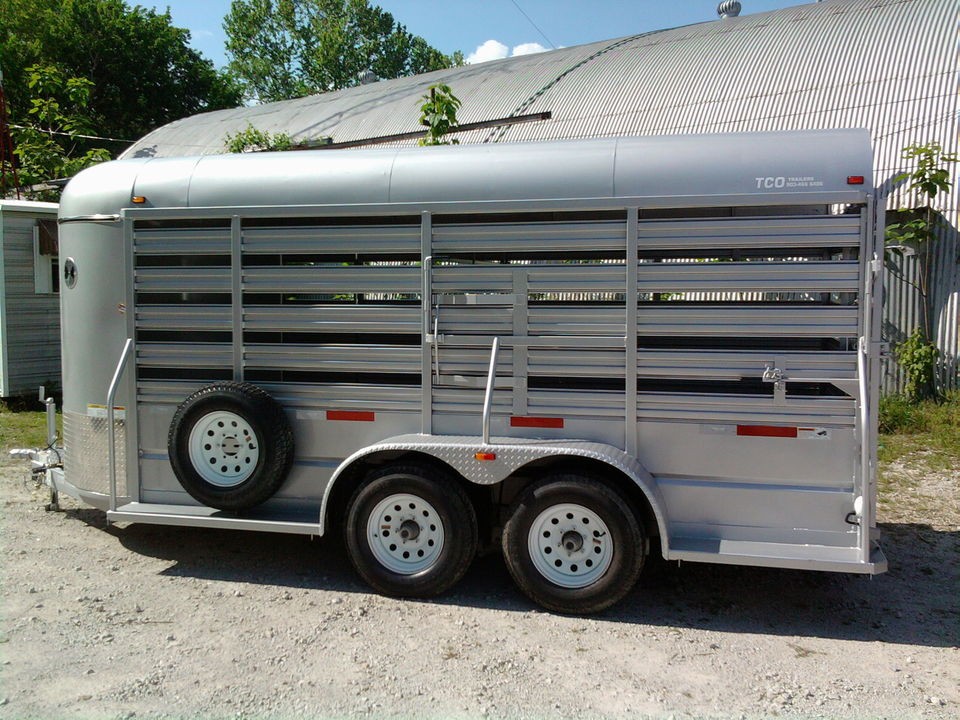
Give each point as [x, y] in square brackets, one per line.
[230, 445]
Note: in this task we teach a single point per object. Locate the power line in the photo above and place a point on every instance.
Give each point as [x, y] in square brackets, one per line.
[75, 135]
[537, 27]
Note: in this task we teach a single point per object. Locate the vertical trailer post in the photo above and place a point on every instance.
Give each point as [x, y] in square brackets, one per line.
[428, 338]
[630, 332]
[236, 287]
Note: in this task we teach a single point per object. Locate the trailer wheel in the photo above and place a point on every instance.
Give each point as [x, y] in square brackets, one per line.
[573, 545]
[230, 445]
[410, 531]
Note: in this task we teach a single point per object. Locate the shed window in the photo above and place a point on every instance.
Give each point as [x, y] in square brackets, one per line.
[46, 248]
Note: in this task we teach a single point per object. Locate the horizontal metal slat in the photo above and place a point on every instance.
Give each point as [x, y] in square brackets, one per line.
[715, 365]
[555, 403]
[530, 237]
[336, 279]
[183, 279]
[332, 239]
[474, 362]
[576, 320]
[334, 358]
[580, 362]
[748, 321]
[542, 362]
[166, 391]
[543, 320]
[773, 233]
[204, 355]
[739, 409]
[184, 317]
[347, 396]
[815, 276]
[475, 320]
[179, 241]
[317, 397]
[576, 403]
[470, 400]
[541, 278]
[333, 318]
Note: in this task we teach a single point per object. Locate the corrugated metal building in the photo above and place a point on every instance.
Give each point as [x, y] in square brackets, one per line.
[29, 297]
[887, 65]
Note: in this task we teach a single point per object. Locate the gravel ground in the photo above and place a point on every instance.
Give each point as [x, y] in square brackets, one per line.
[152, 622]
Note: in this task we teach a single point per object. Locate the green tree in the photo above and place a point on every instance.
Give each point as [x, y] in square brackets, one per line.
[914, 231]
[284, 49]
[250, 139]
[438, 114]
[142, 70]
[48, 144]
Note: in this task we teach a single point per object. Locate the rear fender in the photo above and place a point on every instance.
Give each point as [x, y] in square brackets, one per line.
[461, 454]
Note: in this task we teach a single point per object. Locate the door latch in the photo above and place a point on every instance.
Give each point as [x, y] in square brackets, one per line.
[773, 374]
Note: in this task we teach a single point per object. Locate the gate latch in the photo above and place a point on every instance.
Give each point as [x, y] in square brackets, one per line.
[773, 374]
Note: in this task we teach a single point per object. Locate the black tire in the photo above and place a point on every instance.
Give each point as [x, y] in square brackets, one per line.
[427, 495]
[580, 568]
[250, 439]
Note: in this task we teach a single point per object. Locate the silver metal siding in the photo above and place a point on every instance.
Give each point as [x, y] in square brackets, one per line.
[887, 65]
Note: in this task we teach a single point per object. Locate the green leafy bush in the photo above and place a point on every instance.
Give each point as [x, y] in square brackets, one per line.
[918, 358]
[250, 139]
[438, 114]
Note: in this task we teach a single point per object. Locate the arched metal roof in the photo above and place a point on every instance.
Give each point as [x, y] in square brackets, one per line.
[888, 65]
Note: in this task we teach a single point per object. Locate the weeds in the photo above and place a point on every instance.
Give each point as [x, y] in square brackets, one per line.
[930, 427]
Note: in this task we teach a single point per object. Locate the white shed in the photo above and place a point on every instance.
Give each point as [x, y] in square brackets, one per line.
[29, 297]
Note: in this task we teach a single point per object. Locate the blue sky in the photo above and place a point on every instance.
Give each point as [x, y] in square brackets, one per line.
[469, 25]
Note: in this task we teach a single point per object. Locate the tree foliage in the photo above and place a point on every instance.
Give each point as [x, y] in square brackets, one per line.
[143, 73]
[284, 49]
[48, 145]
[250, 139]
[914, 232]
[438, 114]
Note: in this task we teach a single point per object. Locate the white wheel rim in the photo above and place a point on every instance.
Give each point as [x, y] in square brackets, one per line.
[570, 545]
[405, 534]
[224, 449]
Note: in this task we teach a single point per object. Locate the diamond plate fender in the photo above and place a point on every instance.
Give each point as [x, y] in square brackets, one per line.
[459, 453]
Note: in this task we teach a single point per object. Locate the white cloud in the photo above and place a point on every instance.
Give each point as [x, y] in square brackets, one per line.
[496, 50]
[528, 49]
[490, 50]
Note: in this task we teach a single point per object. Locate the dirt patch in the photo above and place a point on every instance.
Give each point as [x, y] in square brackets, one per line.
[154, 622]
[914, 490]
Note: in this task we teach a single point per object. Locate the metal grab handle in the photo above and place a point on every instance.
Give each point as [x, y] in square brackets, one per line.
[111, 439]
[425, 296]
[436, 344]
[488, 394]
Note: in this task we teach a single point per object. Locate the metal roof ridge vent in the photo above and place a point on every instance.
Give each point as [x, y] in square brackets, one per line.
[728, 9]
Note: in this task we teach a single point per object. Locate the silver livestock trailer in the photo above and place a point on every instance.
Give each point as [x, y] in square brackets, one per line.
[583, 350]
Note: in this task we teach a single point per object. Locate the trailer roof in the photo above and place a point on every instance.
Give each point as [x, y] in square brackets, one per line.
[680, 169]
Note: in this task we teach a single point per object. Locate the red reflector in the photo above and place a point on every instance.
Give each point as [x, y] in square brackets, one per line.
[538, 422]
[353, 415]
[766, 431]
[854, 179]
[485, 456]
